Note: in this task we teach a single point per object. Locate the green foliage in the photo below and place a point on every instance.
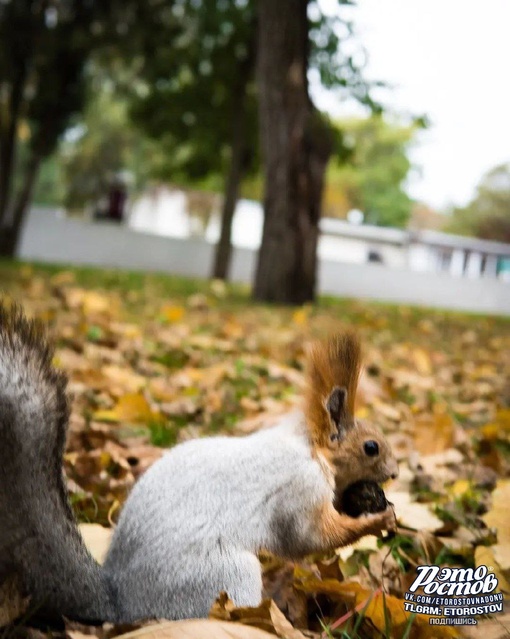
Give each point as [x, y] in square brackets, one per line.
[45, 50]
[49, 190]
[193, 87]
[162, 100]
[195, 83]
[488, 215]
[372, 178]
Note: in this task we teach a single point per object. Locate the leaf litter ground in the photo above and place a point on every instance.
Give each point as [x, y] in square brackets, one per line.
[156, 360]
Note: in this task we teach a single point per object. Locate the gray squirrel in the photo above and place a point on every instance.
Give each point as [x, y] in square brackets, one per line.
[195, 521]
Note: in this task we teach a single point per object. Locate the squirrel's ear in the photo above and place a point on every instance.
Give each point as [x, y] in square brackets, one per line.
[336, 405]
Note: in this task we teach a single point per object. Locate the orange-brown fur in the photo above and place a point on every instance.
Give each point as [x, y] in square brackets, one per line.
[333, 363]
[337, 529]
[339, 447]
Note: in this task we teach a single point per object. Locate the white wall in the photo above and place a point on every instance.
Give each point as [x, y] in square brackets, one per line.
[49, 238]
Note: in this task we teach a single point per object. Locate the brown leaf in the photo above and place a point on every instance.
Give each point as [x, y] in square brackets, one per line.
[373, 604]
[197, 629]
[267, 617]
[434, 433]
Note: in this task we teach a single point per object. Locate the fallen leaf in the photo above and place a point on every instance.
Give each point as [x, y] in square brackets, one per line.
[301, 315]
[97, 539]
[484, 556]
[197, 629]
[434, 433]
[172, 313]
[132, 408]
[413, 514]
[267, 617]
[422, 361]
[499, 517]
[374, 604]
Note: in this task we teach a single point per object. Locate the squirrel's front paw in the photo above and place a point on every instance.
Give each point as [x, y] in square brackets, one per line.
[384, 520]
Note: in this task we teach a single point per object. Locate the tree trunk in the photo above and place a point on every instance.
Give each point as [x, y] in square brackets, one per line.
[295, 157]
[223, 252]
[8, 129]
[10, 234]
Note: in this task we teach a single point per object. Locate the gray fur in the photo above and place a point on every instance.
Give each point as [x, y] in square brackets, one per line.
[194, 522]
[39, 540]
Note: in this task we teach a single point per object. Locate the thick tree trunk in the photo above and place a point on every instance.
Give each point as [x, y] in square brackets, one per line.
[10, 234]
[223, 252]
[295, 159]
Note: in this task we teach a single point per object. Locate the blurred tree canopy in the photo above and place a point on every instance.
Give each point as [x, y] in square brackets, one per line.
[199, 96]
[170, 89]
[198, 99]
[372, 177]
[488, 215]
[45, 47]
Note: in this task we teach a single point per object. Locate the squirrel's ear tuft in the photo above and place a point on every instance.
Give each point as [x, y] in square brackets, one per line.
[332, 374]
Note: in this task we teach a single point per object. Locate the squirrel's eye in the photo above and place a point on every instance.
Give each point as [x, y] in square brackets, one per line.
[371, 448]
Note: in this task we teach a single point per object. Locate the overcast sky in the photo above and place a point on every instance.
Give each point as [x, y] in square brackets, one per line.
[449, 59]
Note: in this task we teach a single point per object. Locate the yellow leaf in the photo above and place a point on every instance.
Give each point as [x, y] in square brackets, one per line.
[460, 487]
[96, 303]
[172, 313]
[422, 361]
[104, 459]
[503, 419]
[89, 302]
[132, 407]
[491, 431]
[300, 316]
[498, 517]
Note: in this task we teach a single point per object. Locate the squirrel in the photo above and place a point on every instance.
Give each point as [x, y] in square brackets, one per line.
[194, 522]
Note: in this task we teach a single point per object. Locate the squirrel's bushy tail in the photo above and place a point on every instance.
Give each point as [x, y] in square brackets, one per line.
[40, 543]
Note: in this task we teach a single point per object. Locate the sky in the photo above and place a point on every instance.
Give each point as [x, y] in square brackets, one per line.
[450, 60]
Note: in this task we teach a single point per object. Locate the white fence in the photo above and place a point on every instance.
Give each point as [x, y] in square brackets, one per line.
[48, 237]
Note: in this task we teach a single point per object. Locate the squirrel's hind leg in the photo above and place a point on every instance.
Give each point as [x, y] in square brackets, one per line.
[242, 578]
